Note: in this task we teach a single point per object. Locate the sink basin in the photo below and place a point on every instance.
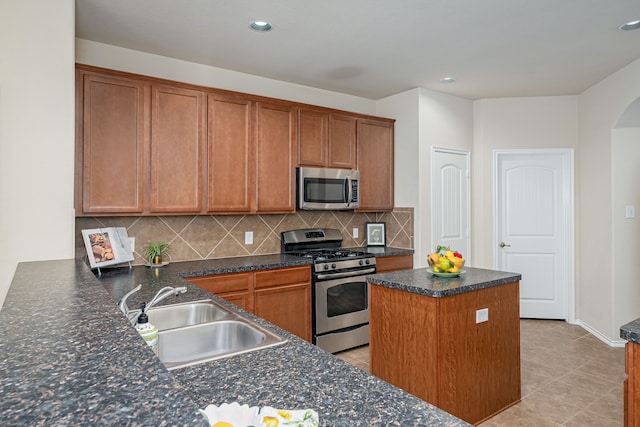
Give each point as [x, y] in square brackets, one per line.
[186, 314]
[191, 345]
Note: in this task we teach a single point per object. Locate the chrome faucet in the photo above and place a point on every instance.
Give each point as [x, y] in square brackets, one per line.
[160, 295]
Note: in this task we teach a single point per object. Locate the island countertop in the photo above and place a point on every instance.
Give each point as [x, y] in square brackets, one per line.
[631, 331]
[421, 281]
[70, 357]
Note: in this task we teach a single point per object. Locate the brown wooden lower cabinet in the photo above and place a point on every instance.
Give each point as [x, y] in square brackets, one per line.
[281, 296]
[632, 385]
[434, 349]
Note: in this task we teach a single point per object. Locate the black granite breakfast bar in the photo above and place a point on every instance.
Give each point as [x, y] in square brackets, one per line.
[68, 356]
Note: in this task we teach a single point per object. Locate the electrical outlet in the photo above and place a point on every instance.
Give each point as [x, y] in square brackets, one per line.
[482, 315]
[248, 237]
[355, 232]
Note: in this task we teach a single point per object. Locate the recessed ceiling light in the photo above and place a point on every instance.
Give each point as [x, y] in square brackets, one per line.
[630, 25]
[447, 80]
[260, 26]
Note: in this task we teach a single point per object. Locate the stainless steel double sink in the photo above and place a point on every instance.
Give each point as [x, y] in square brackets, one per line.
[196, 332]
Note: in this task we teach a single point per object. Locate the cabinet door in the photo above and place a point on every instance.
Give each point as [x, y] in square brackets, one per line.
[112, 144]
[231, 155]
[312, 138]
[342, 141]
[276, 154]
[375, 163]
[177, 150]
[287, 307]
[283, 297]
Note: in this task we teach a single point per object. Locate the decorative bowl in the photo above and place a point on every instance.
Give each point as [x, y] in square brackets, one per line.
[446, 274]
[232, 414]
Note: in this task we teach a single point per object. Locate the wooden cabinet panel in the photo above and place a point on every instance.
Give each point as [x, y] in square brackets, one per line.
[481, 375]
[326, 139]
[112, 143]
[276, 154]
[342, 141]
[632, 385]
[403, 341]
[434, 349]
[286, 306]
[394, 263]
[177, 150]
[231, 155]
[313, 128]
[375, 163]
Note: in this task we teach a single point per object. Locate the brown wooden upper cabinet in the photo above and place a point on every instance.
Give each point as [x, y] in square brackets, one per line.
[231, 155]
[146, 146]
[111, 117]
[276, 153]
[178, 151]
[375, 163]
[326, 139]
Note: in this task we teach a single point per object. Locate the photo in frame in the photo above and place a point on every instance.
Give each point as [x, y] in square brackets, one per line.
[376, 234]
[107, 246]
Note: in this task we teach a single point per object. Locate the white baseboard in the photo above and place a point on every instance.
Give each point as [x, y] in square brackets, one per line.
[595, 333]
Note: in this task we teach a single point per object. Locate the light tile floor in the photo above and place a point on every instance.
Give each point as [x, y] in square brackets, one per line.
[569, 378]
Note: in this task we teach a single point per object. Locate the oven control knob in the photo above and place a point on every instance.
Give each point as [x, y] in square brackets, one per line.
[360, 262]
[333, 265]
[367, 262]
[326, 266]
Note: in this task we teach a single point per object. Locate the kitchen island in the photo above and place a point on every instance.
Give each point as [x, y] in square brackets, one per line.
[454, 342]
[631, 333]
[70, 357]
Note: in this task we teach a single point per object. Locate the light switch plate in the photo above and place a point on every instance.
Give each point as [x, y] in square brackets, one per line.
[248, 237]
[355, 232]
[482, 315]
[630, 211]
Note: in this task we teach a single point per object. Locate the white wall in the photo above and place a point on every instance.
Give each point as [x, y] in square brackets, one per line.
[599, 110]
[36, 133]
[626, 231]
[512, 123]
[132, 61]
[424, 118]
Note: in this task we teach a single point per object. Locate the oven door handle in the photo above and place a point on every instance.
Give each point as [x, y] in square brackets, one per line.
[345, 274]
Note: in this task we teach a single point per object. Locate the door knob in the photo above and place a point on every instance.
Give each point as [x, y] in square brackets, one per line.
[503, 244]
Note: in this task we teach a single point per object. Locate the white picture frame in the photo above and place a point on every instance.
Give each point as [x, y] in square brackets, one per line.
[376, 234]
[107, 246]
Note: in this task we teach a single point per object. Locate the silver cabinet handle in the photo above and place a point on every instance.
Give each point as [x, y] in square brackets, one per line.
[503, 244]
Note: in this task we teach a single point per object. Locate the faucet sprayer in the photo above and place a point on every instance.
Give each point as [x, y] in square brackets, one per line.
[160, 295]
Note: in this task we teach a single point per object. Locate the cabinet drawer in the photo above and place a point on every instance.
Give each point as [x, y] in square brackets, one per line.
[283, 276]
[224, 282]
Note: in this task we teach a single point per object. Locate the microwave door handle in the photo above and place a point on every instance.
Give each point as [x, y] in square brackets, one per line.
[348, 189]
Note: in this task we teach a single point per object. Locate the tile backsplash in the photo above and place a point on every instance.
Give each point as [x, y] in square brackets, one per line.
[197, 237]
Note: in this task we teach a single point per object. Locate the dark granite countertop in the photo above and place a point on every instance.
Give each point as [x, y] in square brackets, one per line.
[382, 251]
[631, 331]
[421, 281]
[69, 357]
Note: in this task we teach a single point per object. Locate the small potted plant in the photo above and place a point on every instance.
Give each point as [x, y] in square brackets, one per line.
[153, 252]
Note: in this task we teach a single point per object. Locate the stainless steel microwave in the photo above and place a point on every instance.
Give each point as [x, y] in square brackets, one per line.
[327, 189]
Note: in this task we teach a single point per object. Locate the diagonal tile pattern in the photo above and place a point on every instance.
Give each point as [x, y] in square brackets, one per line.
[195, 237]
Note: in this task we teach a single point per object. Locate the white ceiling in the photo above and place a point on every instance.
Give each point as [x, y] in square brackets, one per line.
[377, 48]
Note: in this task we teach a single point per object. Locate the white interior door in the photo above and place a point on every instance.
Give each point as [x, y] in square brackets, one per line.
[450, 217]
[534, 223]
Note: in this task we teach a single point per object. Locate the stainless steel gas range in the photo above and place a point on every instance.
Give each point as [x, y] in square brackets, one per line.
[340, 293]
